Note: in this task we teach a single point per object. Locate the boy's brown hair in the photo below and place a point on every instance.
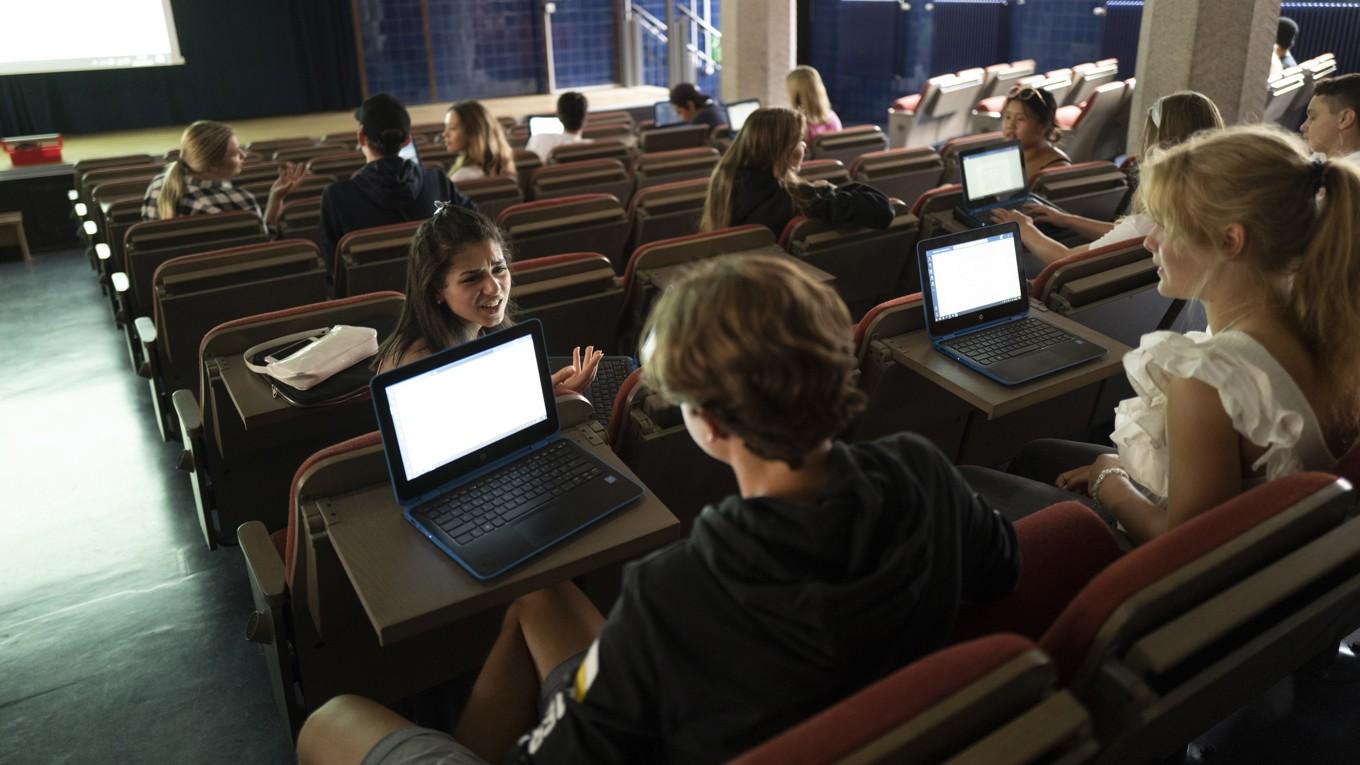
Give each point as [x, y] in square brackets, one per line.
[763, 348]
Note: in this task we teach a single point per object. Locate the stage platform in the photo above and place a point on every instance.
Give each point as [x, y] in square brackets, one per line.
[159, 140]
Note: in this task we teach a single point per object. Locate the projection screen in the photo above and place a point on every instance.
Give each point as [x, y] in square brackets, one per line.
[74, 35]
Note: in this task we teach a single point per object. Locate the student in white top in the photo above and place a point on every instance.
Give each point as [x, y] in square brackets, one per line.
[477, 138]
[1333, 125]
[1269, 241]
[1170, 120]
[571, 109]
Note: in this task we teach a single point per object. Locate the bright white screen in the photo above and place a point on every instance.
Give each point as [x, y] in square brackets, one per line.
[456, 409]
[70, 35]
[971, 276]
[994, 172]
[738, 112]
[545, 126]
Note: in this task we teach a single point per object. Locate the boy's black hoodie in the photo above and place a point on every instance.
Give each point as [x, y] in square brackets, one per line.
[770, 612]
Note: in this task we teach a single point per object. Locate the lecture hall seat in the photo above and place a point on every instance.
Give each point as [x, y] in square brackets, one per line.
[870, 265]
[579, 223]
[904, 174]
[666, 211]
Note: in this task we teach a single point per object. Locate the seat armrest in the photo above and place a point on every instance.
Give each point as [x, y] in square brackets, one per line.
[262, 562]
[146, 330]
[186, 409]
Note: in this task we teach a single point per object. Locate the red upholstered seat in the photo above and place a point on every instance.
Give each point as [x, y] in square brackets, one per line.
[867, 321]
[935, 193]
[621, 404]
[992, 105]
[522, 207]
[870, 714]
[1074, 632]
[907, 103]
[1037, 284]
[1067, 116]
[287, 544]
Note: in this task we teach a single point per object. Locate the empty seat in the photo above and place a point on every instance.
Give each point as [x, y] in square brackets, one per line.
[584, 223]
[870, 265]
[300, 218]
[830, 170]
[935, 210]
[1175, 635]
[242, 473]
[267, 147]
[1087, 78]
[436, 154]
[899, 399]
[1281, 94]
[303, 154]
[148, 244]
[610, 131]
[121, 160]
[526, 162]
[594, 176]
[672, 138]
[904, 174]
[640, 283]
[194, 293]
[990, 701]
[1090, 189]
[493, 193]
[666, 211]
[373, 259]
[848, 144]
[680, 165]
[576, 295]
[578, 152]
[940, 111]
[609, 118]
[309, 186]
[648, 433]
[1000, 78]
[1093, 121]
[340, 165]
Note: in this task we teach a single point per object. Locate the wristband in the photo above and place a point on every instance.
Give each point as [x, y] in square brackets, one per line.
[1094, 488]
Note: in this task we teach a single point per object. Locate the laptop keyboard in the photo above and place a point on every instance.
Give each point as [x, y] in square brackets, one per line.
[505, 495]
[1008, 340]
[609, 377]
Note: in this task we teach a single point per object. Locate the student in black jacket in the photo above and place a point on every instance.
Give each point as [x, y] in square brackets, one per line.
[837, 564]
[695, 107]
[390, 188]
[757, 181]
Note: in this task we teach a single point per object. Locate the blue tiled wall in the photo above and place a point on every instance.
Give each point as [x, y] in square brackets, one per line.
[1056, 33]
[394, 49]
[585, 43]
[485, 48]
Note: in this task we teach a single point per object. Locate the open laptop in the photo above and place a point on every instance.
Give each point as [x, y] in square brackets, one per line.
[664, 115]
[738, 112]
[977, 308]
[992, 177]
[475, 456]
[545, 126]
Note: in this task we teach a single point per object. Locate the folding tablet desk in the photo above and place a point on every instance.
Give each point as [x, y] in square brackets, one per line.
[407, 586]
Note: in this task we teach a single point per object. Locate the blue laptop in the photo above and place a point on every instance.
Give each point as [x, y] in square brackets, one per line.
[992, 177]
[977, 308]
[476, 457]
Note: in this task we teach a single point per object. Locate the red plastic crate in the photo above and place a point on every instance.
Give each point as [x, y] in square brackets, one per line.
[33, 149]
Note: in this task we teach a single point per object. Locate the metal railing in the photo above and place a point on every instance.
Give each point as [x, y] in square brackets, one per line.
[688, 22]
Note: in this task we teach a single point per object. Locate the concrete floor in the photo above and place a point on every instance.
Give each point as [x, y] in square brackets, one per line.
[121, 635]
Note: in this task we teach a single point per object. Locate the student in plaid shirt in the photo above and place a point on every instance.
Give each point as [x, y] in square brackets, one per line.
[199, 182]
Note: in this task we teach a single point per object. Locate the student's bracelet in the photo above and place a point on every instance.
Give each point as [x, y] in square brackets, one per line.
[1094, 489]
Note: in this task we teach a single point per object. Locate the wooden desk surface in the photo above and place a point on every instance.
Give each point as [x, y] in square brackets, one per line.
[665, 276]
[408, 586]
[253, 397]
[915, 351]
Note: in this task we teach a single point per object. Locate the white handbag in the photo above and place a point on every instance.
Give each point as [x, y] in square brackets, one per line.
[304, 360]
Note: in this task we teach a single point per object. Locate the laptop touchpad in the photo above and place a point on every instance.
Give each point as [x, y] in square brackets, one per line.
[556, 520]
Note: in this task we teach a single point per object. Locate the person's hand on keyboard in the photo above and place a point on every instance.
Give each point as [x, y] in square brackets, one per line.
[1039, 213]
[580, 373]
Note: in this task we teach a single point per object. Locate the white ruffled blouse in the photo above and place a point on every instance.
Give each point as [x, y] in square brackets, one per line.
[1265, 405]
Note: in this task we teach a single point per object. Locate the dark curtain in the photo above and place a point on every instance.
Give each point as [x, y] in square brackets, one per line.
[248, 58]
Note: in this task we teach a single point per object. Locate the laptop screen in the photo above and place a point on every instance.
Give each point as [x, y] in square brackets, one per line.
[994, 174]
[738, 112]
[444, 414]
[545, 126]
[663, 114]
[971, 278]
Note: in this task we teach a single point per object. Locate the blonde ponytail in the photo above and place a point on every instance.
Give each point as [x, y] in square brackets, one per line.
[173, 188]
[1325, 299]
[203, 146]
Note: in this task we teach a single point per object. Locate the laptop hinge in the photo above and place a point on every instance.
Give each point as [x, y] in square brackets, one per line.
[469, 477]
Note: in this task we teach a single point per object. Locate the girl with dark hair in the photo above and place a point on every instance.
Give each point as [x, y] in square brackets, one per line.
[458, 288]
[1031, 117]
[757, 181]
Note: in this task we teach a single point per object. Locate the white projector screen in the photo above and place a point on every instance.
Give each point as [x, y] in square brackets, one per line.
[73, 35]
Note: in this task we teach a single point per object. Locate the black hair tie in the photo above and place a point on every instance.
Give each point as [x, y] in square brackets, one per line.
[1318, 174]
